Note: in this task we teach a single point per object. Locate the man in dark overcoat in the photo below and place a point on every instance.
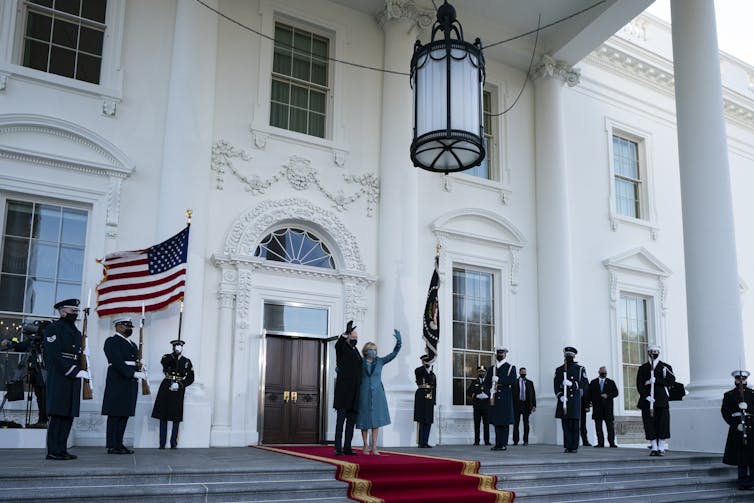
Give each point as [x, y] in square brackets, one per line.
[347, 384]
[499, 380]
[602, 392]
[570, 382]
[62, 354]
[122, 385]
[480, 402]
[652, 381]
[168, 406]
[524, 403]
[737, 410]
[425, 399]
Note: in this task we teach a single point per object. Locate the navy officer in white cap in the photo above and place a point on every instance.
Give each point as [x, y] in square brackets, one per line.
[653, 379]
[498, 382]
[122, 386]
[570, 384]
[738, 410]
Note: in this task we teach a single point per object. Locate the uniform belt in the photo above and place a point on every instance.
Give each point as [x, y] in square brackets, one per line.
[129, 363]
[175, 377]
[425, 386]
[70, 356]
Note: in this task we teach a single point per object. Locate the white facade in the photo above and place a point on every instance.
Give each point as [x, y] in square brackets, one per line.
[181, 120]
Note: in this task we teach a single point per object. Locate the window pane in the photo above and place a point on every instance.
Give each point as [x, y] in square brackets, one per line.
[46, 222]
[458, 392]
[280, 92]
[38, 26]
[298, 319]
[71, 263]
[281, 62]
[457, 364]
[66, 291]
[298, 120]
[317, 102]
[94, 10]
[91, 40]
[487, 344]
[65, 34]
[62, 61]
[279, 115]
[317, 125]
[35, 55]
[300, 69]
[302, 41]
[40, 296]
[15, 255]
[43, 257]
[459, 335]
[284, 37]
[88, 68]
[299, 97]
[18, 219]
[474, 340]
[69, 6]
[319, 72]
[11, 293]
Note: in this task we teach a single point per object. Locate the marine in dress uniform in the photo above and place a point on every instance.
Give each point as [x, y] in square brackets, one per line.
[499, 380]
[480, 402]
[62, 354]
[122, 384]
[347, 384]
[737, 411]
[168, 406]
[602, 393]
[571, 378]
[524, 403]
[425, 399]
[652, 386]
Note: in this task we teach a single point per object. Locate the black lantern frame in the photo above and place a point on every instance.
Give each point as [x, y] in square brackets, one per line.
[447, 76]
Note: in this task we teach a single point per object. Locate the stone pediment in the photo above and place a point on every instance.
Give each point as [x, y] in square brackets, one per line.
[478, 224]
[638, 260]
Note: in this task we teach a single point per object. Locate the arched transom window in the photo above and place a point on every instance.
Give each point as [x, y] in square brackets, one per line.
[295, 246]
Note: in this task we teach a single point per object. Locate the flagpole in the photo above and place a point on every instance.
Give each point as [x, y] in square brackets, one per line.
[189, 213]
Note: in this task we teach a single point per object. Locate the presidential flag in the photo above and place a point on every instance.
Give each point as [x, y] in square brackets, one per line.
[154, 277]
[431, 331]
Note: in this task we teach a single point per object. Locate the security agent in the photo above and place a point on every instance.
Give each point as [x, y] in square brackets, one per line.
[737, 411]
[122, 385]
[62, 356]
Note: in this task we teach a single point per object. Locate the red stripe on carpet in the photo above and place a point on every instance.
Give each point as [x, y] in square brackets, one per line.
[394, 477]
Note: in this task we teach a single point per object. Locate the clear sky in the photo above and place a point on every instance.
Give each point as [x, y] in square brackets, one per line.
[735, 33]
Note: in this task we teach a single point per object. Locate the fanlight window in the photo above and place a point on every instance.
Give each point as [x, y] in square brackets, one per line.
[295, 246]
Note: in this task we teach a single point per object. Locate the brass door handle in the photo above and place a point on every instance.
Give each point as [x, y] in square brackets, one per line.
[294, 396]
[286, 396]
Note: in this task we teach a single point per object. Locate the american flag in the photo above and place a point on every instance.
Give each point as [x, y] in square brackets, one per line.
[154, 277]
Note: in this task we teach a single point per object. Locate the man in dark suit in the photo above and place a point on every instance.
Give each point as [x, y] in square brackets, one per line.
[480, 401]
[652, 380]
[602, 392]
[570, 383]
[524, 403]
[500, 380]
[347, 384]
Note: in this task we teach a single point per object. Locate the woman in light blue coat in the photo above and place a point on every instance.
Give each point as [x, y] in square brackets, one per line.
[373, 411]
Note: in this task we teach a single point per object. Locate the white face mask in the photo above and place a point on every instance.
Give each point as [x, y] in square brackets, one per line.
[177, 349]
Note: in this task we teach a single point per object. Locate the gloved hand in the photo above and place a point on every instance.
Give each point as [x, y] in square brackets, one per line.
[397, 334]
[651, 380]
[86, 351]
[567, 383]
[482, 396]
[495, 379]
[140, 375]
[649, 399]
[175, 386]
[83, 374]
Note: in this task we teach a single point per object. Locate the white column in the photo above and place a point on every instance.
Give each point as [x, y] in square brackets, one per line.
[715, 331]
[221, 419]
[554, 261]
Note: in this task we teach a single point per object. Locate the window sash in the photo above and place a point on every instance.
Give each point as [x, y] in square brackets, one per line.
[634, 328]
[627, 177]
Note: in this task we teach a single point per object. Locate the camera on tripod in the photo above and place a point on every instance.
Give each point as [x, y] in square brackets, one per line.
[34, 329]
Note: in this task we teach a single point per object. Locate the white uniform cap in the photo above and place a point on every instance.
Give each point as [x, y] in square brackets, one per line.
[740, 373]
[653, 348]
[122, 319]
[501, 348]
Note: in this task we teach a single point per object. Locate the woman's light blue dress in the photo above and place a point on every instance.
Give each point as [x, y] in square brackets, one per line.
[373, 412]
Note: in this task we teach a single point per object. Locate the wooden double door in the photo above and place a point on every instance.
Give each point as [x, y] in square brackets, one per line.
[293, 390]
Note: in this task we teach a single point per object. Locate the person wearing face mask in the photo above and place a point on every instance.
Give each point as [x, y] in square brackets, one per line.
[652, 380]
[122, 385]
[347, 383]
[738, 410]
[500, 380]
[602, 392]
[570, 382]
[168, 406]
[373, 411]
[62, 355]
[480, 402]
[524, 403]
[425, 399]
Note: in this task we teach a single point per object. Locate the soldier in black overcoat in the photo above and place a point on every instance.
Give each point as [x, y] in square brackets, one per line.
[480, 402]
[524, 403]
[571, 378]
[653, 388]
[737, 411]
[62, 354]
[168, 406]
[499, 380]
[347, 384]
[122, 385]
[425, 399]
[602, 393]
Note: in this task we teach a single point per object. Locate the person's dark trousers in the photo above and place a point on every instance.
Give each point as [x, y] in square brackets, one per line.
[343, 442]
[116, 428]
[501, 435]
[424, 434]
[582, 428]
[745, 476]
[657, 425]
[57, 434]
[173, 433]
[570, 433]
[519, 416]
[482, 416]
[39, 391]
[610, 425]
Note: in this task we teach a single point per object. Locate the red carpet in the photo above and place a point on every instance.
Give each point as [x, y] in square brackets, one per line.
[397, 477]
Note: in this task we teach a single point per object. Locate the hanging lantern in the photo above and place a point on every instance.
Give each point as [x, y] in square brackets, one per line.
[447, 76]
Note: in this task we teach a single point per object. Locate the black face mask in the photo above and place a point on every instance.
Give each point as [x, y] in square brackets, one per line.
[127, 332]
[352, 342]
[481, 376]
[71, 317]
[500, 358]
[653, 356]
[522, 376]
[569, 358]
[603, 374]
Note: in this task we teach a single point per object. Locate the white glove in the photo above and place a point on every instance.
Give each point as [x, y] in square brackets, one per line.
[651, 380]
[140, 375]
[86, 351]
[174, 387]
[495, 379]
[567, 383]
[649, 399]
[482, 396]
[83, 374]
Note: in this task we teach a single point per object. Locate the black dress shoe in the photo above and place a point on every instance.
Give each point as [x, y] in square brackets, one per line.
[654, 453]
[587, 444]
[350, 453]
[613, 446]
[113, 450]
[68, 455]
[526, 443]
[660, 453]
[57, 457]
[125, 450]
[488, 443]
[173, 446]
[476, 443]
[504, 448]
[161, 447]
[496, 448]
[338, 453]
[598, 445]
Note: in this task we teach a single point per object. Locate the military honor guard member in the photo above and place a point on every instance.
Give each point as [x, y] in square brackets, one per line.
[168, 406]
[737, 411]
[425, 399]
[122, 385]
[570, 383]
[499, 380]
[524, 403]
[652, 381]
[602, 393]
[480, 402]
[347, 384]
[62, 354]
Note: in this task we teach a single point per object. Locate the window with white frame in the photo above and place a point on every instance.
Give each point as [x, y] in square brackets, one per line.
[488, 166]
[634, 334]
[473, 327]
[42, 251]
[628, 176]
[300, 81]
[64, 37]
[295, 246]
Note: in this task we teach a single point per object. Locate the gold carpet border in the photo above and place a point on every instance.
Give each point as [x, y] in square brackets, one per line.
[347, 472]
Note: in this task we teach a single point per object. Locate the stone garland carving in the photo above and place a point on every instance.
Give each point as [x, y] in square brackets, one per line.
[551, 68]
[243, 302]
[407, 9]
[356, 307]
[109, 107]
[515, 268]
[300, 175]
[613, 288]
